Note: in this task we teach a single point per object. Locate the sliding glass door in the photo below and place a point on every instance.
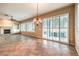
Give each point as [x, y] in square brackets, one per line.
[64, 22]
[56, 28]
[50, 29]
[45, 30]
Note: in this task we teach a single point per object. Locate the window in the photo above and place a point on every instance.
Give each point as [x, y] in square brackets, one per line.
[56, 28]
[23, 27]
[29, 27]
[55, 34]
[64, 28]
[45, 30]
[15, 28]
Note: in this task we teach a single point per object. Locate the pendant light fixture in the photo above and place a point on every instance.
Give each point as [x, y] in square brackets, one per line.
[37, 20]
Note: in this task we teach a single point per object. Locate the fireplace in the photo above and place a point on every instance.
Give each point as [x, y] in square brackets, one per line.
[6, 31]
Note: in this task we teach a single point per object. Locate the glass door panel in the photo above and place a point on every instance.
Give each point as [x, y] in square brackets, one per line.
[45, 33]
[50, 29]
[56, 28]
[64, 28]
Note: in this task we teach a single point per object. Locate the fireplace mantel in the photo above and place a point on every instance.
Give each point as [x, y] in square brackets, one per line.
[5, 28]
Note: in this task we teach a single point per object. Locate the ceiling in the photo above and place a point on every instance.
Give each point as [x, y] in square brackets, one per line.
[21, 11]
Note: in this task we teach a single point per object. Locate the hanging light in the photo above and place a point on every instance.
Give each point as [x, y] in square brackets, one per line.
[37, 20]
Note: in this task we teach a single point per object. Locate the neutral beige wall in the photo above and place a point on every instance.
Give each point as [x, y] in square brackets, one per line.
[7, 23]
[69, 9]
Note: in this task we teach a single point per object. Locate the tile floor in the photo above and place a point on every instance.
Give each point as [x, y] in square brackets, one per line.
[19, 45]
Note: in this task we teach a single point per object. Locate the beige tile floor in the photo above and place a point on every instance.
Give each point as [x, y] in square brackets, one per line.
[19, 45]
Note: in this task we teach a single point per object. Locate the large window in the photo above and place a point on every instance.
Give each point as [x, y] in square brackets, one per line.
[15, 28]
[64, 28]
[23, 27]
[29, 27]
[56, 28]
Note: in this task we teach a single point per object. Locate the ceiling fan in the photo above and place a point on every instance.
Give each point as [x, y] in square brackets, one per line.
[7, 15]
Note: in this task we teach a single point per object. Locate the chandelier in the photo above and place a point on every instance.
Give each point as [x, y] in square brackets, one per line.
[37, 19]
